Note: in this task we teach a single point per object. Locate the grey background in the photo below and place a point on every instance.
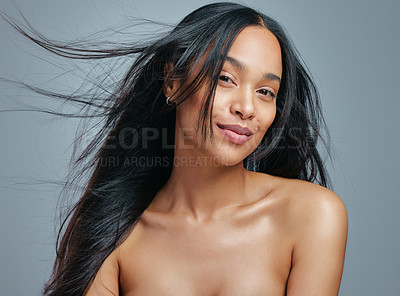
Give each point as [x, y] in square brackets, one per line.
[351, 48]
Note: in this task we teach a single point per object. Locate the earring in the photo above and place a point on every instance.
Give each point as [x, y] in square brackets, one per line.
[169, 103]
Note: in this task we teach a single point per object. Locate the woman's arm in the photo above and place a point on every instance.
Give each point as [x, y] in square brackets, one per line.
[319, 250]
[106, 281]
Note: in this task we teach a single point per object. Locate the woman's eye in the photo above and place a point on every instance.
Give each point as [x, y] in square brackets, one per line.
[268, 93]
[225, 78]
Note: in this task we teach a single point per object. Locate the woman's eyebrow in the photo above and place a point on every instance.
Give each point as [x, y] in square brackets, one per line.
[236, 63]
[271, 76]
[240, 66]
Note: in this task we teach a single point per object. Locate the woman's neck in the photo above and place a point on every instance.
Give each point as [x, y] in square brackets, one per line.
[200, 188]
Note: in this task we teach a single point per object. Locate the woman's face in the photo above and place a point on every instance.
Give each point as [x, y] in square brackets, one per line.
[244, 103]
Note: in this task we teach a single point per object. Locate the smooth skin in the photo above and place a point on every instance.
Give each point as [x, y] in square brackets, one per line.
[216, 228]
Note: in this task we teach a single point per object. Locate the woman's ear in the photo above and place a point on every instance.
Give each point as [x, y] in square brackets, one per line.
[171, 84]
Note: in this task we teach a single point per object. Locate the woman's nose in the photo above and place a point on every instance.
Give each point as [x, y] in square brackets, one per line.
[243, 104]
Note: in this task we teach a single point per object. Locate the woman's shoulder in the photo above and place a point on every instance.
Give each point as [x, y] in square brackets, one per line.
[298, 191]
[106, 281]
[309, 199]
[301, 201]
[314, 221]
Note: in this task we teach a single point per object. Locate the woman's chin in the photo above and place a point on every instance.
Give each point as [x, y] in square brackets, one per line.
[227, 158]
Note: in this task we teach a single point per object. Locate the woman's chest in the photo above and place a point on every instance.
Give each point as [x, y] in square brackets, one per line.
[204, 261]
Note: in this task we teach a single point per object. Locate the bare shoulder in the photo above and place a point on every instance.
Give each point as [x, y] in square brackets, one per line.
[302, 206]
[314, 219]
[105, 282]
[303, 199]
[312, 205]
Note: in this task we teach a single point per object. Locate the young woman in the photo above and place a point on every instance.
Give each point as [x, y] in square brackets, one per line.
[206, 175]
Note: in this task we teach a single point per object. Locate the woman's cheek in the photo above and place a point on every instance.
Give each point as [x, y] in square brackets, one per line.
[269, 117]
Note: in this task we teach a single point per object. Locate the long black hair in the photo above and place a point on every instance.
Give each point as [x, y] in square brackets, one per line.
[117, 193]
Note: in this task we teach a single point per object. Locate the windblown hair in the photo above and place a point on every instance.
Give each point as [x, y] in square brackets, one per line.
[116, 196]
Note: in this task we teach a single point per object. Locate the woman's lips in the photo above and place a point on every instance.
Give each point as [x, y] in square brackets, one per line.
[235, 133]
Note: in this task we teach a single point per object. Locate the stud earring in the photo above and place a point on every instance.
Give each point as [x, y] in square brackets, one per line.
[169, 103]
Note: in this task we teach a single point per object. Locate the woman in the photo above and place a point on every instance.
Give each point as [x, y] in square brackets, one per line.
[203, 174]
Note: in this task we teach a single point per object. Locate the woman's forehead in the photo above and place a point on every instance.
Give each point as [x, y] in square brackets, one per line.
[256, 48]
